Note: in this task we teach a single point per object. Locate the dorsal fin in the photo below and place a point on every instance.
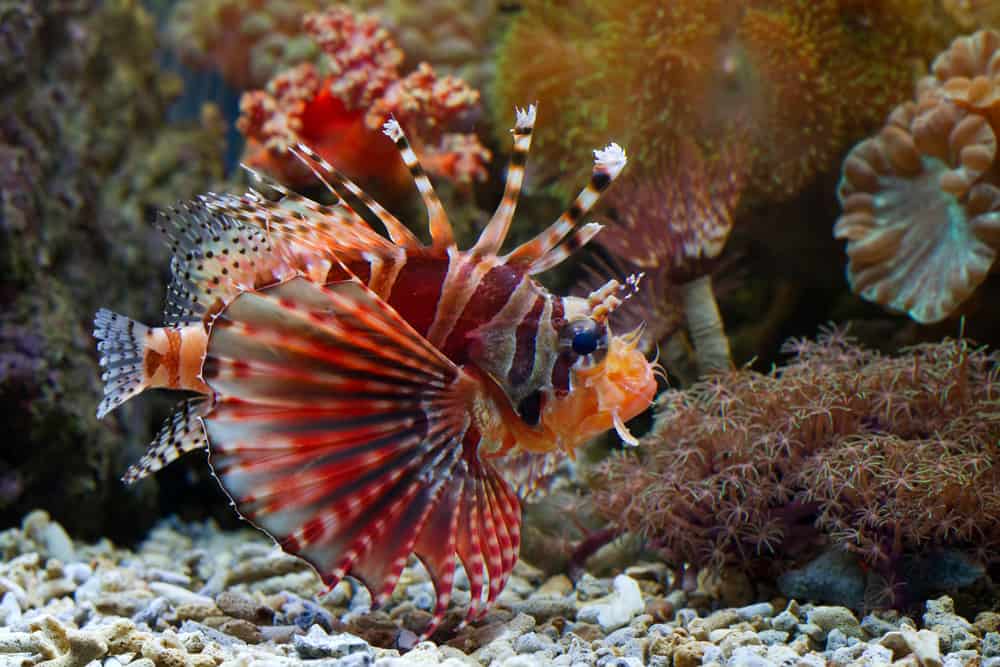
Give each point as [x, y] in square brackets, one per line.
[215, 257]
[442, 235]
[608, 164]
[332, 178]
[495, 232]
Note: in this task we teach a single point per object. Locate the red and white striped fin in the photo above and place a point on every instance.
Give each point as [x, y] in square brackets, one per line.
[181, 433]
[442, 235]
[529, 473]
[495, 232]
[580, 237]
[332, 178]
[215, 257]
[342, 433]
[608, 164]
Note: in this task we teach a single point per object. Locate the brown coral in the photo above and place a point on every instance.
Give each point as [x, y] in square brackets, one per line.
[968, 74]
[882, 457]
[804, 77]
[340, 115]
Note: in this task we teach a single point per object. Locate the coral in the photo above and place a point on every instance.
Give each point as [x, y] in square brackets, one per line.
[340, 114]
[972, 14]
[885, 458]
[247, 42]
[921, 199]
[83, 103]
[452, 35]
[802, 77]
[922, 230]
[674, 225]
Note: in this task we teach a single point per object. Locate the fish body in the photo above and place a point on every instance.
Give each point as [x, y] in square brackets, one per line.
[365, 397]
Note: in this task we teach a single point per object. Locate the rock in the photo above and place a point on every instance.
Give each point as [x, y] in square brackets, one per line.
[955, 632]
[543, 609]
[938, 571]
[178, 595]
[589, 587]
[990, 647]
[317, 644]
[618, 608]
[701, 627]
[533, 642]
[875, 626]
[10, 610]
[785, 621]
[836, 639]
[769, 637]
[762, 609]
[738, 639]
[690, 654]
[749, 656]
[828, 618]
[834, 577]
[966, 658]
[243, 607]
[558, 585]
[987, 621]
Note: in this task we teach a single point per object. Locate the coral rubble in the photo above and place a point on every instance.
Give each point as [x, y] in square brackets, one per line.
[884, 458]
[340, 113]
[921, 199]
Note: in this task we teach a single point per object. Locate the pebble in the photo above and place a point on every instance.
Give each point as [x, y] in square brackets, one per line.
[178, 595]
[317, 644]
[841, 618]
[762, 609]
[618, 608]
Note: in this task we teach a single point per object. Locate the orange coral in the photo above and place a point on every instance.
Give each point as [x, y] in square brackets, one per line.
[922, 198]
[340, 114]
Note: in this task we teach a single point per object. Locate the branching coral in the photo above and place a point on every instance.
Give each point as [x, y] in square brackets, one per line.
[882, 457]
[340, 114]
[248, 42]
[922, 198]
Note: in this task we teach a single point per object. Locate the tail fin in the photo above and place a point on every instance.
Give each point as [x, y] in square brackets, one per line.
[122, 344]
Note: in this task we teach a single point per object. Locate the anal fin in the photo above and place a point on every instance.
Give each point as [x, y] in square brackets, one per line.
[181, 433]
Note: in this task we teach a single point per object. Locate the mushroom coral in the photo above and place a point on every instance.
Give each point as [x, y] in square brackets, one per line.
[340, 113]
[921, 199]
[886, 458]
[247, 41]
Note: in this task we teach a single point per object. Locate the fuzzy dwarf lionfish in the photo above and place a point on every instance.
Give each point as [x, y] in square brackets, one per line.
[365, 398]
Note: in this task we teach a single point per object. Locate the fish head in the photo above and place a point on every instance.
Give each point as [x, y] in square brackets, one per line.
[607, 388]
[592, 380]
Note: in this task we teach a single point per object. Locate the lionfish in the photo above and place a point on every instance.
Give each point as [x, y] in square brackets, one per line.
[364, 397]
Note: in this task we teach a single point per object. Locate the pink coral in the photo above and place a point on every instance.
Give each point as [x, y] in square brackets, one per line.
[340, 115]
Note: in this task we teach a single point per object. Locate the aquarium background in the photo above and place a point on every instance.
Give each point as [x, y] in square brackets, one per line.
[812, 197]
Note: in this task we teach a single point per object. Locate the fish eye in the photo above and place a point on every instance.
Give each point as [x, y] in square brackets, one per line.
[586, 337]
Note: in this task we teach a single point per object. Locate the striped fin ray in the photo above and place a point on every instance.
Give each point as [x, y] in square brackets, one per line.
[122, 346]
[332, 178]
[215, 257]
[335, 229]
[442, 235]
[496, 229]
[608, 164]
[180, 434]
[344, 434]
